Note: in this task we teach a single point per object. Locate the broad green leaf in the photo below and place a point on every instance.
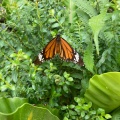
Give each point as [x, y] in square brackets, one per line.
[18, 109]
[29, 112]
[104, 91]
[9, 105]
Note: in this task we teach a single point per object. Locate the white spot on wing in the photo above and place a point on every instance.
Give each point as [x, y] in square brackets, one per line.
[40, 57]
[76, 57]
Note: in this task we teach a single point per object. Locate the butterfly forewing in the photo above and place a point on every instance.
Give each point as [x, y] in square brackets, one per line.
[49, 45]
[48, 51]
[68, 50]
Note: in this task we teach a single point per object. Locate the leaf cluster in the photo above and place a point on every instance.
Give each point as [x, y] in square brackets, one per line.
[83, 111]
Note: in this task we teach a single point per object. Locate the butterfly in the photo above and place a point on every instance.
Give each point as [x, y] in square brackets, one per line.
[59, 46]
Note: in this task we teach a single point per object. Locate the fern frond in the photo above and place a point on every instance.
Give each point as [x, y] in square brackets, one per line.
[85, 6]
[96, 23]
[103, 5]
[89, 58]
[103, 58]
[117, 55]
[84, 17]
[108, 35]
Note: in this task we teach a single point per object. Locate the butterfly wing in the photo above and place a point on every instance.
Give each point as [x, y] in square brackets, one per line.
[69, 54]
[47, 53]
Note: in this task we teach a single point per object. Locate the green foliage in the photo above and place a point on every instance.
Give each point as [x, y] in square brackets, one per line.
[116, 114]
[71, 10]
[86, 7]
[27, 26]
[24, 79]
[83, 111]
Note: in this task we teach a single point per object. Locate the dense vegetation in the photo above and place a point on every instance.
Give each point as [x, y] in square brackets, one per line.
[92, 27]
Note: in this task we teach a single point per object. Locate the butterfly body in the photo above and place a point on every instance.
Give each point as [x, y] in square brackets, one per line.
[61, 47]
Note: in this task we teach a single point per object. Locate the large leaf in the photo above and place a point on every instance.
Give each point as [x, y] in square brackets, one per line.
[9, 105]
[18, 109]
[104, 91]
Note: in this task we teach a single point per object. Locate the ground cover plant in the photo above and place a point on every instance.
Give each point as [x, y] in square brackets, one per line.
[58, 88]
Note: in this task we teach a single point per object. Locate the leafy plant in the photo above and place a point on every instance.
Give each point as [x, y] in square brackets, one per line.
[83, 111]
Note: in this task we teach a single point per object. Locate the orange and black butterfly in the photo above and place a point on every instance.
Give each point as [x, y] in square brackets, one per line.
[59, 46]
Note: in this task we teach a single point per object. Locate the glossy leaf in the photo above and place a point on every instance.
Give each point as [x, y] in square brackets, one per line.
[104, 91]
[19, 109]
